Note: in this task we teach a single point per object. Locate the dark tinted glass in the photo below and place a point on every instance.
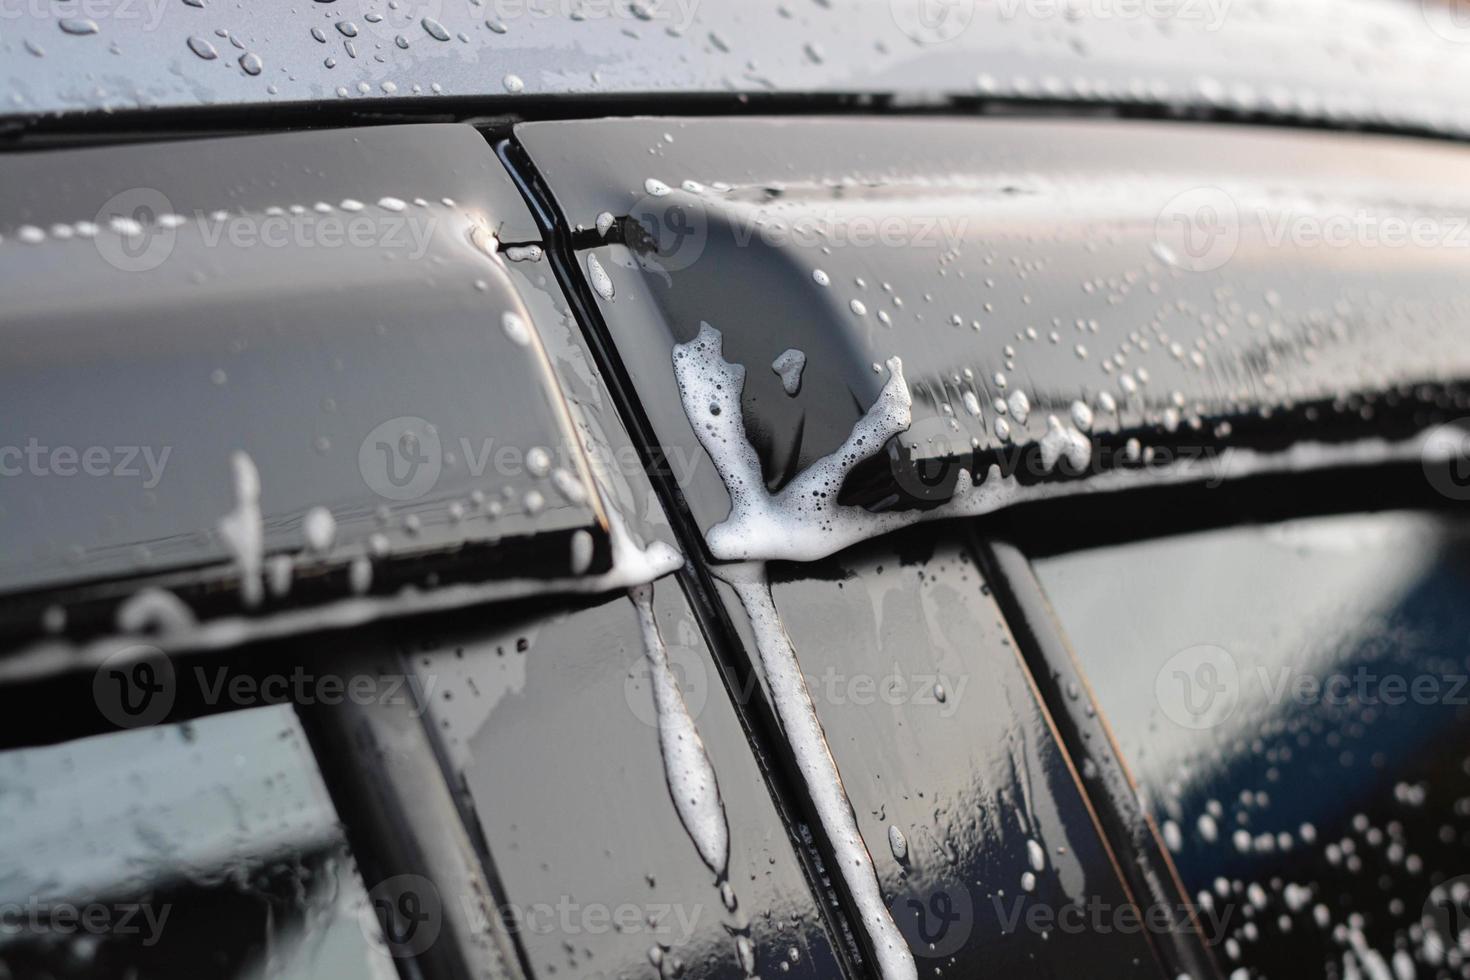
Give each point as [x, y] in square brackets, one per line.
[208, 849]
[1292, 700]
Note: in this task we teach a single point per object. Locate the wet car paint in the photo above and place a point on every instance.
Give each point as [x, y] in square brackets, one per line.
[310, 301]
[787, 449]
[548, 723]
[1362, 62]
[987, 852]
[1290, 700]
[1054, 320]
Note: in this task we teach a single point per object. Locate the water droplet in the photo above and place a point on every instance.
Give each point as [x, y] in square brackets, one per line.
[78, 25]
[1081, 416]
[250, 63]
[319, 528]
[513, 83]
[435, 29]
[202, 48]
[515, 327]
[360, 575]
[581, 552]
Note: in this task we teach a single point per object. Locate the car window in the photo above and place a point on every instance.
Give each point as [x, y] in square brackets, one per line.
[1292, 701]
[208, 848]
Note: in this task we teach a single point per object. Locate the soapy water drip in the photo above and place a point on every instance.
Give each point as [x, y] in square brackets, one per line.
[803, 731]
[687, 769]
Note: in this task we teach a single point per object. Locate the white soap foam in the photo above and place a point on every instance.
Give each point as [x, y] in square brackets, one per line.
[319, 528]
[154, 611]
[687, 768]
[803, 521]
[242, 529]
[601, 281]
[803, 731]
[788, 365]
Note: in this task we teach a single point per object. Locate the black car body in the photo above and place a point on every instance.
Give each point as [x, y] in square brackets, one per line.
[897, 489]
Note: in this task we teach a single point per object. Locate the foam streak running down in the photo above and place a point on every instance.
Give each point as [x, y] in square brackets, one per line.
[803, 731]
[687, 768]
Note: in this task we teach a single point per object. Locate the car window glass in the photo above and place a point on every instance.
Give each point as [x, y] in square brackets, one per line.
[1292, 702]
